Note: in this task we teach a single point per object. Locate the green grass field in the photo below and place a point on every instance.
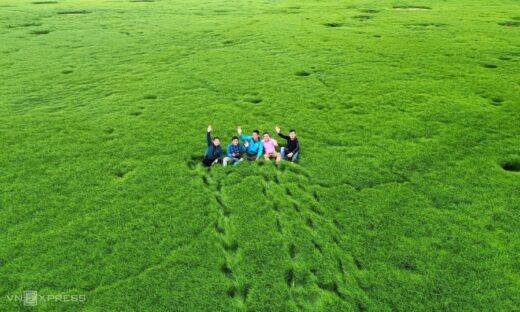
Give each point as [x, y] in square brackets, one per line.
[406, 196]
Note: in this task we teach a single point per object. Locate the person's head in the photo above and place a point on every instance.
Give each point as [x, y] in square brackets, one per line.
[234, 141]
[256, 134]
[266, 136]
[216, 141]
[292, 134]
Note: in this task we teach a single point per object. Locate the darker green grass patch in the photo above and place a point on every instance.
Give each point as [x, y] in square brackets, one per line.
[510, 23]
[412, 25]
[150, 97]
[302, 73]
[362, 17]
[255, 100]
[489, 65]
[513, 166]
[330, 286]
[74, 12]
[40, 32]
[67, 71]
[141, 1]
[45, 2]
[290, 278]
[370, 11]
[496, 100]
[333, 24]
[194, 160]
[31, 24]
[120, 173]
[411, 7]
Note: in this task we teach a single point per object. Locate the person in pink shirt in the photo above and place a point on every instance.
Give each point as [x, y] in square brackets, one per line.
[270, 148]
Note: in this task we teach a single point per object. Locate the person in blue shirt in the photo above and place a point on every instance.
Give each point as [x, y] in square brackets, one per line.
[234, 152]
[214, 150]
[255, 147]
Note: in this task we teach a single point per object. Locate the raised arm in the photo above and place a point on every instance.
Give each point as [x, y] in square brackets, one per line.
[284, 136]
[208, 135]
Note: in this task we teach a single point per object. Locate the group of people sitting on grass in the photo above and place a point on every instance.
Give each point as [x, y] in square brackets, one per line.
[253, 148]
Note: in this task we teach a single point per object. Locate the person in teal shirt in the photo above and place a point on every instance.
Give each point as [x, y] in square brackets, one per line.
[255, 150]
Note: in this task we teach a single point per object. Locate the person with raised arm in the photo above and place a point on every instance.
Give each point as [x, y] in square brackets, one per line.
[214, 150]
[255, 149]
[292, 149]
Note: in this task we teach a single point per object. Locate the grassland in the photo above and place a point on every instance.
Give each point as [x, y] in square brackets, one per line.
[406, 196]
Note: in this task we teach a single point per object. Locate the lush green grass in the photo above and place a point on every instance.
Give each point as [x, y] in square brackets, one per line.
[406, 197]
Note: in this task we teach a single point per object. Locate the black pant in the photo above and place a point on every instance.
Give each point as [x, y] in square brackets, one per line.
[251, 156]
[208, 162]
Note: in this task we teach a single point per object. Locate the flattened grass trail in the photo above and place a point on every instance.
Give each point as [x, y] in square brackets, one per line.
[406, 196]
